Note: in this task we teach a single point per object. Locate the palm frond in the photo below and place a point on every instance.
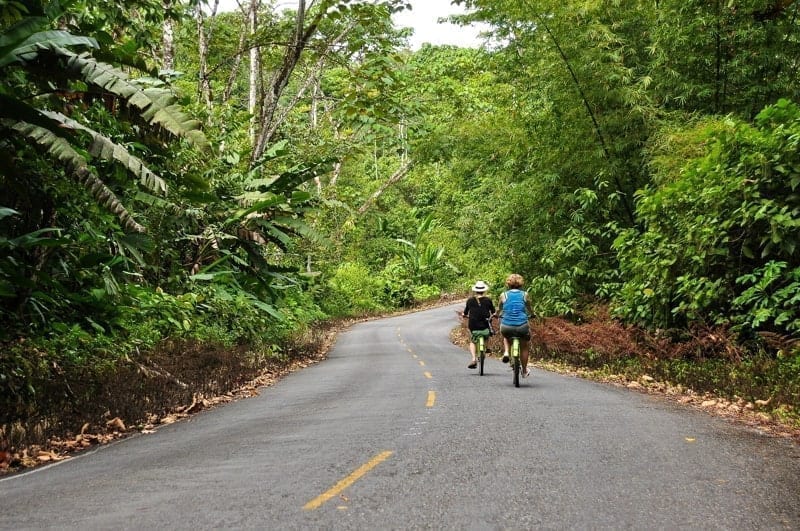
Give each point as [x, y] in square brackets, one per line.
[13, 110]
[156, 105]
[30, 47]
[21, 30]
[158, 202]
[107, 149]
[299, 227]
[60, 149]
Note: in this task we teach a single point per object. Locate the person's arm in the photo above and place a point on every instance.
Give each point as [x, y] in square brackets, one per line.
[528, 306]
[499, 313]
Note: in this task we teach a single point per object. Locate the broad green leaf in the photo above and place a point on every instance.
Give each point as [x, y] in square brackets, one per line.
[106, 149]
[40, 42]
[61, 150]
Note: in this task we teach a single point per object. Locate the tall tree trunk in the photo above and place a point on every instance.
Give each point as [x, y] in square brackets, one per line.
[625, 197]
[255, 68]
[280, 114]
[718, 56]
[237, 60]
[280, 78]
[167, 40]
[204, 83]
[316, 93]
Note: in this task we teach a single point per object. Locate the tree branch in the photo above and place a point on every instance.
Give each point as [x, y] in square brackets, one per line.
[395, 178]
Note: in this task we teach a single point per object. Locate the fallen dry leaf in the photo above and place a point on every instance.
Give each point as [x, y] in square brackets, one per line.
[117, 423]
[194, 407]
[5, 459]
[45, 456]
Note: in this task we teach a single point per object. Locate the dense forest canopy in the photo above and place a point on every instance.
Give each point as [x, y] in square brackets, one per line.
[169, 171]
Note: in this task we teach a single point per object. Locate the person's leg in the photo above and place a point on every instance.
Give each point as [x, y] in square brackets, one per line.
[472, 348]
[503, 333]
[523, 356]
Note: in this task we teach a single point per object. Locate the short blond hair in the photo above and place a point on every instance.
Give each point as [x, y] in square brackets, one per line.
[514, 281]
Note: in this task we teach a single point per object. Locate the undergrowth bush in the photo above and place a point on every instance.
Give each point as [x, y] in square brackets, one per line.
[160, 354]
[352, 290]
[703, 359]
[397, 289]
[721, 229]
[426, 292]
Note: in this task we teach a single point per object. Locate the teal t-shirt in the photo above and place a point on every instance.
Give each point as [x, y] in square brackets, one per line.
[514, 311]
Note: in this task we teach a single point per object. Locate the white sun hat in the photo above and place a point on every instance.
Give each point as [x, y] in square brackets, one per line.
[480, 287]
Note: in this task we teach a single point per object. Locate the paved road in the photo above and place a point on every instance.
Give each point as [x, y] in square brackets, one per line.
[393, 432]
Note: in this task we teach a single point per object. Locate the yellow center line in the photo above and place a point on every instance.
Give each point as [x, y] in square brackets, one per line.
[428, 375]
[349, 480]
[421, 363]
[431, 399]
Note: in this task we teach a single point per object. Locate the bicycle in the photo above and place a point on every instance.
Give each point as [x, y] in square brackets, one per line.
[514, 361]
[481, 346]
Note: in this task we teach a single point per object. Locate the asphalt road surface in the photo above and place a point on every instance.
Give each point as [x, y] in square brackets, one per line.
[392, 431]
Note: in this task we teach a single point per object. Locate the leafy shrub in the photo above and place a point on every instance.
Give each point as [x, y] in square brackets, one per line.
[351, 290]
[771, 298]
[397, 288]
[154, 314]
[720, 237]
[426, 292]
[298, 313]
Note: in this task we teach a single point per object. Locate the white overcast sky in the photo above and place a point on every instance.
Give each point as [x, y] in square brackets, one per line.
[422, 18]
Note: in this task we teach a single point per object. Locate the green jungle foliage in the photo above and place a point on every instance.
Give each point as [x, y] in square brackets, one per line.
[631, 153]
[722, 232]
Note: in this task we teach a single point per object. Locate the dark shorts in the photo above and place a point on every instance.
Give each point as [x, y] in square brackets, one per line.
[510, 331]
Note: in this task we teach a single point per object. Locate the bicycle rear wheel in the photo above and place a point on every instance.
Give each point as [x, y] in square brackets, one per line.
[515, 360]
[481, 354]
[516, 372]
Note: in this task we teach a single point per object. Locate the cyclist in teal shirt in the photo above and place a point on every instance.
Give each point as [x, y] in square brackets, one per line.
[514, 310]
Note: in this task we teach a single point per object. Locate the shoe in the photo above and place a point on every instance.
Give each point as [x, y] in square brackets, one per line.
[505, 357]
[526, 372]
[472, 365]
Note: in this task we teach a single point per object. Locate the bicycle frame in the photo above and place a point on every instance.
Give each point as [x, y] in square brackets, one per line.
[481, 346]
[515, 361]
